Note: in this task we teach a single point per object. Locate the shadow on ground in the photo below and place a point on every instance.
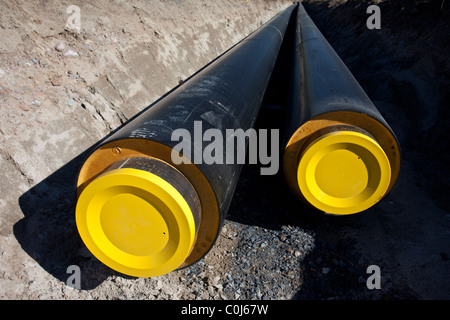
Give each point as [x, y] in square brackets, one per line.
[48, 231]
[403, 68]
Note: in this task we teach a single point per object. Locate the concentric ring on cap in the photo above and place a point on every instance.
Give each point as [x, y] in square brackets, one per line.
[343, 172]
[135, 222]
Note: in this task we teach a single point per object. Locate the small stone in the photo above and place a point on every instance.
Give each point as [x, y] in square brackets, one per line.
[70, 53]
[23, 63]
[325, 270]
[60, 46]
[159, 285]
[37, 102]
[297, 253]
[215, 281]
[283, 237]
[24, 107]
[56, 81]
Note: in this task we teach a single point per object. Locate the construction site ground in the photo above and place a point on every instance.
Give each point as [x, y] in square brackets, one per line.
[62, 90]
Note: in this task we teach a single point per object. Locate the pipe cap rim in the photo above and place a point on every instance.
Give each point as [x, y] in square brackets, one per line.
[343, 172]
[135, 222]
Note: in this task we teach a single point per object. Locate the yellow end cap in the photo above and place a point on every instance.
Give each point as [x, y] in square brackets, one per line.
[135, 222]
[343, 172]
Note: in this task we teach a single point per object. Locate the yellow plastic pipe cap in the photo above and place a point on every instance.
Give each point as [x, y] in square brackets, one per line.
[135, 222]
[343, 172]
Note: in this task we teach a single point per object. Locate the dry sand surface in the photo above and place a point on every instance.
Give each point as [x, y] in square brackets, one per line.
[62, 90]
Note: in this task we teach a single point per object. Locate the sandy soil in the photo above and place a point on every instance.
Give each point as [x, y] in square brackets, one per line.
[55, 104]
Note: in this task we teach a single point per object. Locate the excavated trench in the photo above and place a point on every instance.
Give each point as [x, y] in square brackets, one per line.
[272, 246]
[403, 67]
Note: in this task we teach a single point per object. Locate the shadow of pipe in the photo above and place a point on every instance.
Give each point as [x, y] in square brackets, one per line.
[48, 231]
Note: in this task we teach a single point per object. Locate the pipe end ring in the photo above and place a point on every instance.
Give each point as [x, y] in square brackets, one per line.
[136, 222]
[343, 172]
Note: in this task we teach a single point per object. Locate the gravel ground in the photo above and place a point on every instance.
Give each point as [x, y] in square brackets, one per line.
[271, 246]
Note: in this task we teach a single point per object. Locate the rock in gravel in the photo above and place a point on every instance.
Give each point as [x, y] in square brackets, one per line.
[70, 53]
[37, 102]
[60, 46]
[24, 107]
[56, 81]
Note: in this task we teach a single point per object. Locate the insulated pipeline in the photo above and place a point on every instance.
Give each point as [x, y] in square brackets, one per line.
[340, 155]
[141, 212]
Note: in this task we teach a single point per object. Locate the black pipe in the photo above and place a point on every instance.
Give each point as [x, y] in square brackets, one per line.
[326, 102]
[225, 95]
